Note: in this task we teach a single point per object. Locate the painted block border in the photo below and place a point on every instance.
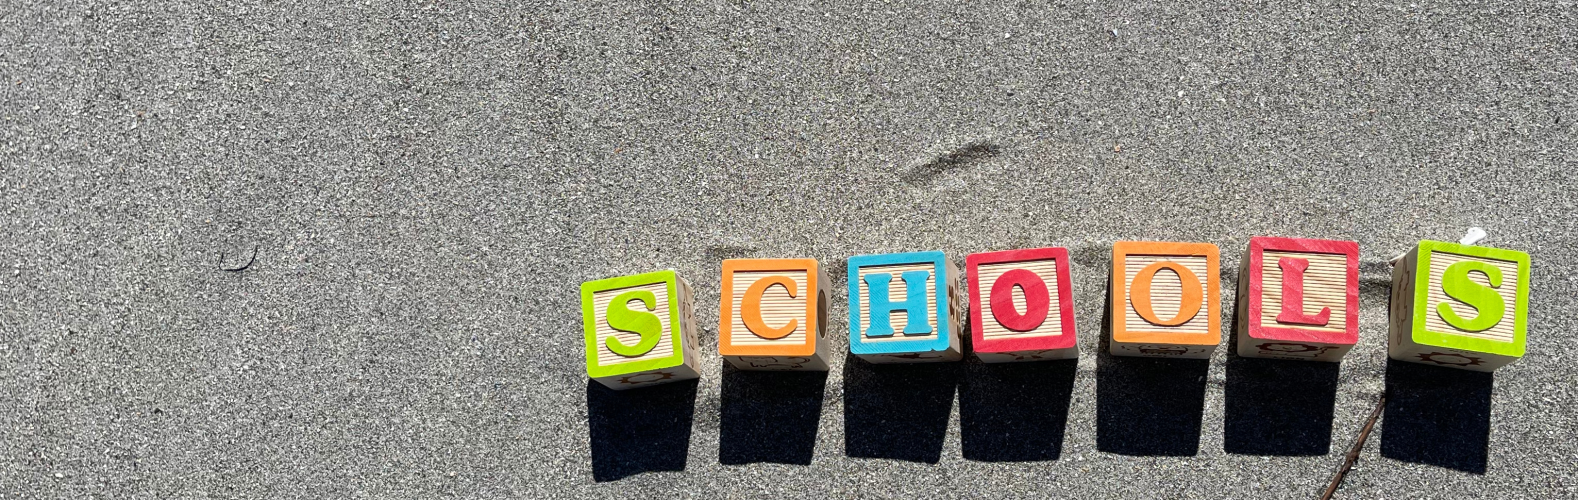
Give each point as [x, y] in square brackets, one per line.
[1348, 249]
[940, 287]
[588, 313]
[1213, 295]
[1427, 248]
[1065, 305]
[726, 310]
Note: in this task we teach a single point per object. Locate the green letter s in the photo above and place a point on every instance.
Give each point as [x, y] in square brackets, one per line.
[642, 323]
[1455, 282]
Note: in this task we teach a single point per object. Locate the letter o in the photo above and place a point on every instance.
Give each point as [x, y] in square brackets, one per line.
[1038, 301]
[1188, 304]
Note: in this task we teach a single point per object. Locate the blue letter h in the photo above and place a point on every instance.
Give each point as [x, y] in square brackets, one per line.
[914, 304]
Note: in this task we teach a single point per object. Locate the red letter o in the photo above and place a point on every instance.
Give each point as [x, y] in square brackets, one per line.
[1037, 300]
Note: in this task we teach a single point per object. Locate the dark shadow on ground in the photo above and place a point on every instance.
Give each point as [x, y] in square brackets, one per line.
[1015, 412]
[1147, 406]
[1277, 407]
[1437, 416]
[769, 416]
[897, 411]
[639, 430]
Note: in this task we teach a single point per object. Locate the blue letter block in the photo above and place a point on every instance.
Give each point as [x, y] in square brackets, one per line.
[931, 311]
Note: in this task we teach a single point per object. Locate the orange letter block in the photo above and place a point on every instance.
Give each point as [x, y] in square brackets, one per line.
[773, 314]
[1165, 299]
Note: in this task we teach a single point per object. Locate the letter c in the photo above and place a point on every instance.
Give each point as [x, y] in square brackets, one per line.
[751, 307]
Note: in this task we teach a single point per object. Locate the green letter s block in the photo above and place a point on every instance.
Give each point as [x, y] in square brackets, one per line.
[1455, 282]
[642, 323]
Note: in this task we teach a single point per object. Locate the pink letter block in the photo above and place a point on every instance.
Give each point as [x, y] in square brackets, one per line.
[1021, 305]
[1298, 299]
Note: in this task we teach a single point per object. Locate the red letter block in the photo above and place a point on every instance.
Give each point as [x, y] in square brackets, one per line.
[1021, 305]
[1298, 299]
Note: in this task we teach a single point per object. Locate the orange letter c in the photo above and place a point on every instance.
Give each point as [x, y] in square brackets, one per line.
[751, 308]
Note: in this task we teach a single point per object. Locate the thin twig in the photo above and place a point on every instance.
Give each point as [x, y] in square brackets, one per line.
[1353, 454]
[243, 266]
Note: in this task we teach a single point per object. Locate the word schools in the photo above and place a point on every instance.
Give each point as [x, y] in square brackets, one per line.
[1453, 305]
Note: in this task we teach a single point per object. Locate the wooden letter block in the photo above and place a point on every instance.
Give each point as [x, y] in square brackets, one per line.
[1021, 305]
[904, 308]
[1459, 306]
[1165, 299]
[1298, 299]
[773, 314]
[639, 330]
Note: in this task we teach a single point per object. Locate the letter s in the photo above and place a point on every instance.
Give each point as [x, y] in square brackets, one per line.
[1455, 282]
[642, 323]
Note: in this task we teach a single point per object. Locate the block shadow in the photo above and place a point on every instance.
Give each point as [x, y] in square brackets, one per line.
[1147, 406]
[769, 416]
[1437, 416]
[897, 411]
[639, 430]
[1015, 412]
[1277, 407]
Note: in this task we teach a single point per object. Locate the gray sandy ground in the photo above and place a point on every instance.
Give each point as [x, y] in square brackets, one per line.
[427, 183]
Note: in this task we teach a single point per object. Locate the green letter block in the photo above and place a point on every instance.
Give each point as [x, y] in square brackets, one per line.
[1459, 306]
[639, 330]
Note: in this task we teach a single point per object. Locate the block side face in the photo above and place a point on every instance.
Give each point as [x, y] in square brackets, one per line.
[779, 363]
[1151, 350]
[647, 378]
[994, 336]
[1400, 314]
[972, 284]
[1028, 355]
[1293, 350]
[1027, 254]
[1452, 358]
[822, 305]
[946, 355]
[1164, 248]
[685, 310]
[938, 286]
[1244, 302]
[1340, 247]
[778, 310]
[589, 322]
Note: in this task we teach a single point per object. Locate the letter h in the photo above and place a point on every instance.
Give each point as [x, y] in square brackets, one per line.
[914, 304]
